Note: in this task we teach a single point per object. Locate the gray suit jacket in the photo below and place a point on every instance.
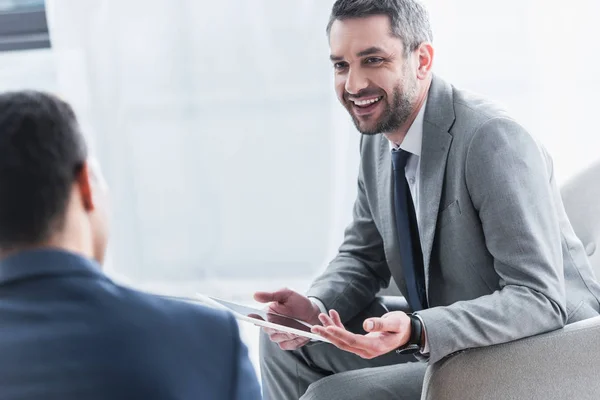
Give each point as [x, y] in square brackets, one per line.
[501, 259]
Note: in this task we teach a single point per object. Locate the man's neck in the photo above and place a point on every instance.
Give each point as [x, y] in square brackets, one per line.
[54, 243]
[398, 135]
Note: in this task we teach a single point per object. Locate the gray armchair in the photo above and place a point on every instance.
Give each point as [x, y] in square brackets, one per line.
[562, 364]
[558, 365]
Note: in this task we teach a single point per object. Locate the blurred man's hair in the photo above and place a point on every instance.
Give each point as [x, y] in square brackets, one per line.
[409, 18]
[41, 152]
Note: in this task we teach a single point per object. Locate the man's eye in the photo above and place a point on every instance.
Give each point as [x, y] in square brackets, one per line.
[373, 60]
[340, 65]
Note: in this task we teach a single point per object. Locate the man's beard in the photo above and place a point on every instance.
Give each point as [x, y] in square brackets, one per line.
[395, 114]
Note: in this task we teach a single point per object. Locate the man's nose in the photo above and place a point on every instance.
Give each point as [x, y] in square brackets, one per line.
[355, 81]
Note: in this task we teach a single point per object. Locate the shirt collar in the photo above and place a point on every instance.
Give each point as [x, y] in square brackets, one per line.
[30, 264]
[414, 137]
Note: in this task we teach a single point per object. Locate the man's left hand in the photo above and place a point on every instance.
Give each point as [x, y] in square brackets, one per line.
[386, 334]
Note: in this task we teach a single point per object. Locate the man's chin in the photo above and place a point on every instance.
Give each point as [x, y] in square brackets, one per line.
[370, 127]
[367, 124]
[369, 132]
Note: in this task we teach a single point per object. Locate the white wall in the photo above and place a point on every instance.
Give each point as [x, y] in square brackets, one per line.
[217, 125]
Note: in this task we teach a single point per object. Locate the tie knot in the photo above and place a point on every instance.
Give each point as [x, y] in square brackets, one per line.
[399, 158]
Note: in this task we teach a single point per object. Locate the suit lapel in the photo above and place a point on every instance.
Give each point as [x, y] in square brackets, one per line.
[439, 117]
[433, 166]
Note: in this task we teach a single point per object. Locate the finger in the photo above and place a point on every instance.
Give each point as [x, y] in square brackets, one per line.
[276, 308]
[270, 331]
[335, 317]
[263, 297]
[279, 296]
[293, 344]
[343, 337]
[366, 355]
[256, 316]
[323, 332]
[281, 337]
[326, 320]
[382, 325]
[337, 342]
[352, 339]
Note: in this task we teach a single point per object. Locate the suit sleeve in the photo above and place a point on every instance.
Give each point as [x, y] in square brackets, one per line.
[244, 382]
[509, 184]
[359, 270]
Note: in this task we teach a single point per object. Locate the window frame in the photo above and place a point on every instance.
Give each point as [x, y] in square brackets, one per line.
[24, 29]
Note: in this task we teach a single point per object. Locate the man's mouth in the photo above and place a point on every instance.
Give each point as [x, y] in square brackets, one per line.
[367, 102]
[365, 106]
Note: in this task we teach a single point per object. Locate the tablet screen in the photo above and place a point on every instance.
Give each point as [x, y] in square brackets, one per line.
[263, 315]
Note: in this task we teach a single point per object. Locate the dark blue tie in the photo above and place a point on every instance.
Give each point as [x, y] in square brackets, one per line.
[408, 234]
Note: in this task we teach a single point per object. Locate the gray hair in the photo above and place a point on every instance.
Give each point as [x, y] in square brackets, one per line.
[409, 18]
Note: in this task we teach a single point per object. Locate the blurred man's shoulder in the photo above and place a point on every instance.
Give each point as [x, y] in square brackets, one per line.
[170, 311]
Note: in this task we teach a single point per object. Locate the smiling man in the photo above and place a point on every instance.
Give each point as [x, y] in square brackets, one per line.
[455, 200]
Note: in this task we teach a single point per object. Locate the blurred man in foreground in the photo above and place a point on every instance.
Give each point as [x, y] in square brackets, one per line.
[67, 331]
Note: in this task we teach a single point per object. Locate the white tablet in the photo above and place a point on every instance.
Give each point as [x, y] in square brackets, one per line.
[263, 318]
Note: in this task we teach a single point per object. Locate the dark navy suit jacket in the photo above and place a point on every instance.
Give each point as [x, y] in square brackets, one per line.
[68, 332]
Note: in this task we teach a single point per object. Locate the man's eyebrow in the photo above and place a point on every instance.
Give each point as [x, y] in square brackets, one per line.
[370, 51]
[366, 52]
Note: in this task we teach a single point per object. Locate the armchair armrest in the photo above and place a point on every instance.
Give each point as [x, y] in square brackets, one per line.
[563, 364]
[394, 303]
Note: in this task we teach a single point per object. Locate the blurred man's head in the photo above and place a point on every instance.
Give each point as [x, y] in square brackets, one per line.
[382, 54]
[51, 195]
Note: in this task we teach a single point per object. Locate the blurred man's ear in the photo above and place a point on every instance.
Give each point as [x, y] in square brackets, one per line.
[84, 184]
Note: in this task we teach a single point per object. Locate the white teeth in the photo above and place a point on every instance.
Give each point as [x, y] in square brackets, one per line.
[366, 102]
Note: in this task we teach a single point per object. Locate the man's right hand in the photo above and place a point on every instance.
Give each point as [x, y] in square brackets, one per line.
[292, 304]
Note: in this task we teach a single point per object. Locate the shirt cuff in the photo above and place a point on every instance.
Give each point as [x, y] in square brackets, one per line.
[319, 304]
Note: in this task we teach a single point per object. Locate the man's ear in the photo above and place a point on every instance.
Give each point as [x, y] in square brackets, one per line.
[425, 53]
[84, 185]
